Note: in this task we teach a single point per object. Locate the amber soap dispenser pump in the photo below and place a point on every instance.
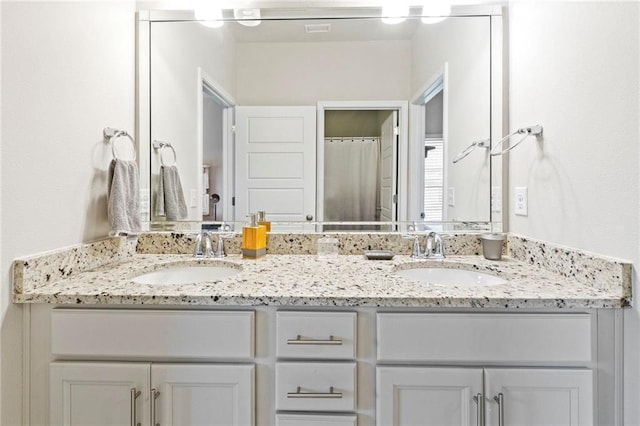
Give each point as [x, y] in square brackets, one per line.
[254, 239]
[262, 221]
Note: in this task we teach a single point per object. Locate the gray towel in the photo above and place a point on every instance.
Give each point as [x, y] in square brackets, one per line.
[170, 198]
[123, 198]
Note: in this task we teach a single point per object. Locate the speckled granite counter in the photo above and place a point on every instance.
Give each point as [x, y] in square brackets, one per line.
[349, 280]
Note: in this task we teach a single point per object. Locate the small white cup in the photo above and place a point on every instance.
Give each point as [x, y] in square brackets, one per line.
[492, 246]
[327, 248]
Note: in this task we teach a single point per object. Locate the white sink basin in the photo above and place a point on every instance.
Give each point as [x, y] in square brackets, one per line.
[186, 275]
[451, 277]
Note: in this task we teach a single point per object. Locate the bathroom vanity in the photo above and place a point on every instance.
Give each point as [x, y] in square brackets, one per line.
[296, 340]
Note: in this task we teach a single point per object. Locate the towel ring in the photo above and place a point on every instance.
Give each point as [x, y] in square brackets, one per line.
[484, 143]
[160, 145]
[112, 135]
[526, 131]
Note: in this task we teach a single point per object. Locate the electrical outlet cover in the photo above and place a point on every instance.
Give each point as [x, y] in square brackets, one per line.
[521, 201]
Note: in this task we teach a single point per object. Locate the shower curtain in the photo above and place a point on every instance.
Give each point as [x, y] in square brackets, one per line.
[351, 179]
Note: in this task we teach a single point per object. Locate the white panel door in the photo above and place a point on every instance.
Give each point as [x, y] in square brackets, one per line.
[276, 162]
[203, 394]
[388, 175]
[532, 397]
[92, 393]
[424, 396]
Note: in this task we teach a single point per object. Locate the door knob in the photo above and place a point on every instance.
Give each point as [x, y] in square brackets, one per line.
[309, 217]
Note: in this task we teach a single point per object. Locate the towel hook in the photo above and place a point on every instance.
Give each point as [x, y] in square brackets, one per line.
[159, 146]
[526, 131]
[111, 135]
[484, 143]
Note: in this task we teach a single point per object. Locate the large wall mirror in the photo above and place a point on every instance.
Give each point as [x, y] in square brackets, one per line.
[322, 115]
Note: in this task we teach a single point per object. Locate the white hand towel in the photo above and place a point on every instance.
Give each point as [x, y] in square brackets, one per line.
[170, 198]
[123, 198]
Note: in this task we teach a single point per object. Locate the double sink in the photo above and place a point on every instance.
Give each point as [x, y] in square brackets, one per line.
[181, 275]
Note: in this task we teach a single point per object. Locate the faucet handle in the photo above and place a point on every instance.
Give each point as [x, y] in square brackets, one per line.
[435, 246]
[220, 244]
[203, 245]
[416, 252]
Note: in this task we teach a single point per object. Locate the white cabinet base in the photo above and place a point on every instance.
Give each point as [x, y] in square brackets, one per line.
[204, 394]
[93, 393]
[411, 396]
[98, 393]
[532, 397]
[316, 420]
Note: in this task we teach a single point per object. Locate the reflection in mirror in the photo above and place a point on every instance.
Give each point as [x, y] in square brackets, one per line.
[241, 107]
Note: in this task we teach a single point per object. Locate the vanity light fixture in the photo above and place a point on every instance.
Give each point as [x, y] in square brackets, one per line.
[434, 11]
[247, 17]
[395, 11]
[209, 15]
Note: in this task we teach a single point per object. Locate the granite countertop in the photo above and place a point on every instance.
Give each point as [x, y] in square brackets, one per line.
[348, 280]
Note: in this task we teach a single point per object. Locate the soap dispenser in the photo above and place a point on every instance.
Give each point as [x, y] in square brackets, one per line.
[254, 239]
[262, 221]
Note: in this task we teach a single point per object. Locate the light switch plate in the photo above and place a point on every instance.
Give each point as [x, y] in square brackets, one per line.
[193, 198]
[451, 197]
[521, 201]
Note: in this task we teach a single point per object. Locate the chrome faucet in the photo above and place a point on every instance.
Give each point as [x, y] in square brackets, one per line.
[433, 246]
[203, 245]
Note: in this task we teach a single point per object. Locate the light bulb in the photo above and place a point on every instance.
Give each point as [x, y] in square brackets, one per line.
[209, 15]
[395, 13]
[247, 17]
[435, 11]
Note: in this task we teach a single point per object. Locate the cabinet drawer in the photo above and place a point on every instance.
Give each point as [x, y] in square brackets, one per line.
[488, 338]
[152, 334]
[312, 386]
[315, 420]
[319, 335]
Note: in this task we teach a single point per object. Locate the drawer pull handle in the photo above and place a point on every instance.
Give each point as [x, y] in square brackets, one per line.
[299, 394]
[479, 400]
[499, 399]
[154, 395]
[134, 415]
[300, 341]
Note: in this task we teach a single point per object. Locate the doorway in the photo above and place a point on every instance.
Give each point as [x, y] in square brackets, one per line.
[215, 116]
[429, 150]
[359, 172]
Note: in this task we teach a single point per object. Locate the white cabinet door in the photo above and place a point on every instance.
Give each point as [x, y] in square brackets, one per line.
[276, 162]
[424, 396]
[201, 394]
[533, 397]
[85, 394]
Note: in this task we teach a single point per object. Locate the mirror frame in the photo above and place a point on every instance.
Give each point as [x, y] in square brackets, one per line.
[498, 221]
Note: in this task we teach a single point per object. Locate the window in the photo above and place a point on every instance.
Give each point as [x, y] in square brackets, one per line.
[433, 180]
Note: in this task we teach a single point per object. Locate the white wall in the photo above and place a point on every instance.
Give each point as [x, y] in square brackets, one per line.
[464, 45]
[67, 72]
[178, 49]
[304, 73]
[574, 69]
